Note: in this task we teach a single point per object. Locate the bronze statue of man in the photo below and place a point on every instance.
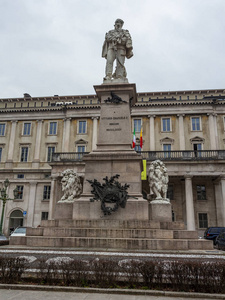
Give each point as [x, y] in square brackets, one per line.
[117, 46]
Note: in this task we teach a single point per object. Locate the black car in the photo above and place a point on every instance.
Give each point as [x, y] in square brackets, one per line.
[220, 241]
[212, 233]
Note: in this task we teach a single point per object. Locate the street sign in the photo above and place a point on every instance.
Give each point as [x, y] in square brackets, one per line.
[24, 213]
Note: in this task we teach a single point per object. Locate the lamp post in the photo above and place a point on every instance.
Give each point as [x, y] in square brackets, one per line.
[4, 197]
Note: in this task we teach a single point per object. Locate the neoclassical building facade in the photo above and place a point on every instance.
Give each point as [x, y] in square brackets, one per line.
[185, 129]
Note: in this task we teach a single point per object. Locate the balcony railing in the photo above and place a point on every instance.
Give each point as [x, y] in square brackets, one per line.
[183, 155]
[68, 156]
[152, 155]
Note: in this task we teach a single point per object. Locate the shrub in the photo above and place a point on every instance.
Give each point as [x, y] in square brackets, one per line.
[12, 269]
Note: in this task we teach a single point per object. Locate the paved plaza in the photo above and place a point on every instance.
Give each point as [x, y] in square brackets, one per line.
[50, 295]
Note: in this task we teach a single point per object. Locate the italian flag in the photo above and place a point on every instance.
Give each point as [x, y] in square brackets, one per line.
[141, 141]
[134, 139]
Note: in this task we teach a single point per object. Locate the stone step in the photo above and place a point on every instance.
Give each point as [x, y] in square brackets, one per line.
[112, 233]
[107, 223]
[116, 243]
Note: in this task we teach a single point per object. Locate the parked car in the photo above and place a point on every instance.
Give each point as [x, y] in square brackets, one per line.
[220, 241]
[19, 231]
[3, 238]
[212, 233]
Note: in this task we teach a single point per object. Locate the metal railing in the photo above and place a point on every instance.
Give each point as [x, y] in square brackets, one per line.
[183, 155]
[152, 155]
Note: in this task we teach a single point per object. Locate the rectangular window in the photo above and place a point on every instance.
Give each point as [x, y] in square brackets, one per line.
[26, 128]
[195, 123]
[44, 215]
[46, 192]
[20, 176]
[167, 150]
[51, 150]
[82, 127]
[0, 153]
[52, 128]
[166, 126]
[137, 125]
[170, 192]
[201, 192]
[24, 154]
[2, 129]
[197, 149]
[20, 192]
[203, 220]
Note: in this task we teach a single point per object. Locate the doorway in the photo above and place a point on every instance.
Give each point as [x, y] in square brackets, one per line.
[15, 220]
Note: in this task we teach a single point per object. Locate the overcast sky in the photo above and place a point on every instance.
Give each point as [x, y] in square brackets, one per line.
[53, 47]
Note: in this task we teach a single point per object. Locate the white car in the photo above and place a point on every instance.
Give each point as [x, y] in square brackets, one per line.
[19, 231]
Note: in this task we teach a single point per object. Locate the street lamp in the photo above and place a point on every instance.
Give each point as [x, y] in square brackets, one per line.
[5, 197]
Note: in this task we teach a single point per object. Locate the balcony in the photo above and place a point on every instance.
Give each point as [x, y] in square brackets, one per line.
[152, 155]
[183, 155]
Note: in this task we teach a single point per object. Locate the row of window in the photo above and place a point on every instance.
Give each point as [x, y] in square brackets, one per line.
[200, 190]
[82, 128]
[167, 148]
[46, 192]
[50, 150]
[166, 124]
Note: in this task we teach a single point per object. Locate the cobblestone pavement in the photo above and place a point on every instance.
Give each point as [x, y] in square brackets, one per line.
[53, 295]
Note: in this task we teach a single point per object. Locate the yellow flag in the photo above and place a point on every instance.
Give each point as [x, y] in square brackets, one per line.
[144, 172]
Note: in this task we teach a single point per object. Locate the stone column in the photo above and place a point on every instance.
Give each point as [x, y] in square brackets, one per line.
[66, 135]
[190, 213]
[11, 141]
[223, 197]
[52, 198]
[94, 133]
[216, 131]
[181, 132]
[36, 161]
[219, 203]
[212, 134]
[31, 204]
[152, 132]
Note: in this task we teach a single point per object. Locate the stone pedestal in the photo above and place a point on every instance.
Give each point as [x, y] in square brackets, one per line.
[113, 155]
[63, 211]
[160, 210]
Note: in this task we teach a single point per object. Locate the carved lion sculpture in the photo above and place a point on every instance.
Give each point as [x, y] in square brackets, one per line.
[71, 186]
[158, 180]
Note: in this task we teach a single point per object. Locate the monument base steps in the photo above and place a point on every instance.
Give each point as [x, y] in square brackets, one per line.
[113, 234]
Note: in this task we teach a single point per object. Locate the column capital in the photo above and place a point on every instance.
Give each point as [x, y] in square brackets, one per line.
[39, 121]
[54, 177]
[14, 121]
[180, 115]
[94, 118]
[212, 114]
[33, 183]
[188, 176]
[151, 116]
[67, 119]
[222, 177]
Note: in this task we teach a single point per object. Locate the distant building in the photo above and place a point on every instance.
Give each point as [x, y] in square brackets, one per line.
[186, 129]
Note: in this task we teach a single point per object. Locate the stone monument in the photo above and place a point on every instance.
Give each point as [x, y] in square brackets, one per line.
[160, 207]
[111, 213]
